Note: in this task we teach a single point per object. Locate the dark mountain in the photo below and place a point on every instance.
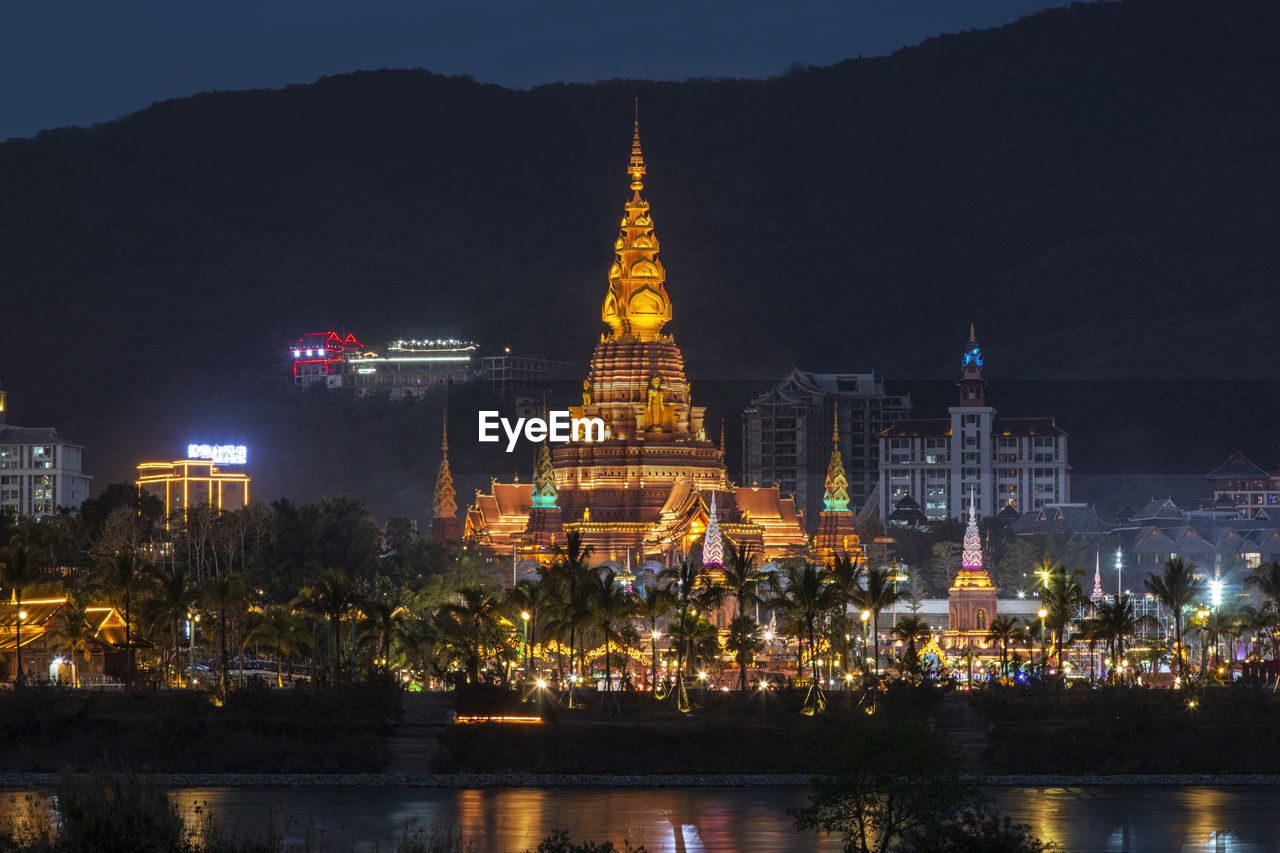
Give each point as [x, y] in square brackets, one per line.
[1095, 187]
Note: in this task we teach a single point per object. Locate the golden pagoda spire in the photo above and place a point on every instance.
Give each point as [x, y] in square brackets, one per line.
[637, 306]
[835, 497]
[445, 503]
[636, 169]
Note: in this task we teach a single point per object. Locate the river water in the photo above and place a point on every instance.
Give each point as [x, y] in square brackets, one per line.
[738, 820]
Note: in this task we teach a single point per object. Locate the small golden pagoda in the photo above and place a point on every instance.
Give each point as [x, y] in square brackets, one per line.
[639, 493]
[445, 527]
[837, 533]
[972, 597]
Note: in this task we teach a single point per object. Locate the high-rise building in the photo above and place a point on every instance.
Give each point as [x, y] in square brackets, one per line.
[644, 491]
[40, 470]
[1008, 465]
[785, 434]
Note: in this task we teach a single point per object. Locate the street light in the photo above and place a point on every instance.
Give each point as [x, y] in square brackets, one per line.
[524, 618]
[865, 617]
[653, 678]
[1044, 648]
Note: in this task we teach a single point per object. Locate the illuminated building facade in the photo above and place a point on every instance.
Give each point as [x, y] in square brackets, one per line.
[187, 483]
[411, 368]
[39, 470]
[786, 431]
[318, 357]
[404, 368]
[1009, 465]
[644, 492]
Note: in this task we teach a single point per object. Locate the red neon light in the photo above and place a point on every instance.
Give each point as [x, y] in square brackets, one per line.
[332, 343]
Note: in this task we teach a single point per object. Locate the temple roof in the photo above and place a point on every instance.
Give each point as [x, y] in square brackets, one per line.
[1237, 467]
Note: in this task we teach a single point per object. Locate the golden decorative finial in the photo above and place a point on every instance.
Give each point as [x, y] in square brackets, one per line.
[722, 437]
[835, 429]
[972, 337]
[444, 440]
[636, 169]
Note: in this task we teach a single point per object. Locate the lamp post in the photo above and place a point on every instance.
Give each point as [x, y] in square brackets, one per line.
[524, 619]
[653, 675]
[192, 619]
[17, 649]
[865, 617]
[1044, 647]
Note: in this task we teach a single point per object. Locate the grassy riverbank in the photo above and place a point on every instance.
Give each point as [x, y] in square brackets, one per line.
[251, 731]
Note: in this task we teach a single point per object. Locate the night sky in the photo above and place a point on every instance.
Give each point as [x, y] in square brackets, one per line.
[75, 62]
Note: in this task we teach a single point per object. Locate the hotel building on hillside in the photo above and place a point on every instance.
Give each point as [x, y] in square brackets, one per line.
[40, 470]
[1009, 465]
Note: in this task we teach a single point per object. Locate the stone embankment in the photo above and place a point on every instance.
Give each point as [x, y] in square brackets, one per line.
[533, 780]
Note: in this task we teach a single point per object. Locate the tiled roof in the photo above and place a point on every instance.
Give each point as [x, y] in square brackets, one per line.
[1237, 467]
[32, 435]
[1027, 426]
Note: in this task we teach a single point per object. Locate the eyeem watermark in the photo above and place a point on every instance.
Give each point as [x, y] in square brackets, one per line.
[559, 427]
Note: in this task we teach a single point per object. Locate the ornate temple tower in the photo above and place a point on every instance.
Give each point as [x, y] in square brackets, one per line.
[445, 527]
[636, 495]
[972, 597]
[837, 533]
[655, 437]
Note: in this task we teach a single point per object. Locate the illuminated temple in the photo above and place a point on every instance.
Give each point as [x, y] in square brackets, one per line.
[645, 493]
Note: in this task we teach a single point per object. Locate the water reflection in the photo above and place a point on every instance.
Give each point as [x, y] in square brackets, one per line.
[706, 820]
[1156, 819]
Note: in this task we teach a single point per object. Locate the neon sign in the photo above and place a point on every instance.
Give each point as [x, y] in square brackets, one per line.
[219, 454]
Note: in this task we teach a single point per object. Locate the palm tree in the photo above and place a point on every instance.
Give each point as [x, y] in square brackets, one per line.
[172, 602]
[805, 596]
[1265, 580]
[846, 581]
[220, 595]
[1005, 630]
[1116, 621]
[572, 571]
[332, 599]
[1062, 596]
[76, 630]
[384, 623]
[121, 573]
[878, 593]
[744, 640]
[472, 622]
[20, 567]
[611, 606]
[742, 579]
[282, 630]
[531, 597]
[688, 583]
[1176, 588]
[654, 607]
[911, 629]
